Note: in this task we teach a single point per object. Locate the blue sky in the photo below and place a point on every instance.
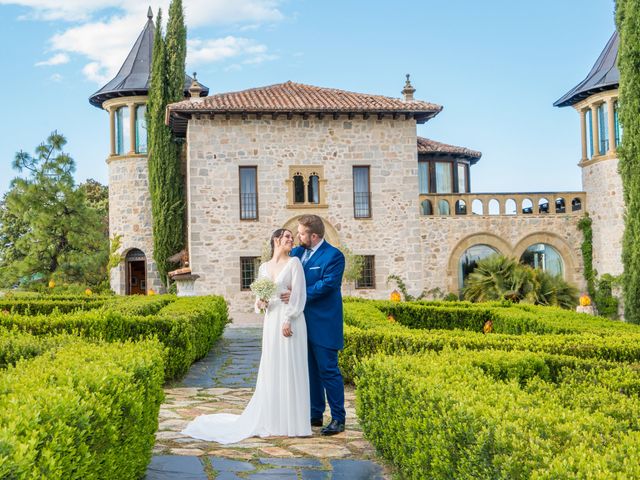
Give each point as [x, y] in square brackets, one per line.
[495, 65]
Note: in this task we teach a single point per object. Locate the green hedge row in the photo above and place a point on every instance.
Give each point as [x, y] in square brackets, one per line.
[44, 306]
[501, 415]
[16, 345]
[81, 411]
[367, 332]
[188, 327]
[506, 317]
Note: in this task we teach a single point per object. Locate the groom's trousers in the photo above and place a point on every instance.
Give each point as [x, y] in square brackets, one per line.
[325, 376]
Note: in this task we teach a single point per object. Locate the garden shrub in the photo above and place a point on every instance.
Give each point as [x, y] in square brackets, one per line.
[81, 411]
[186, 326]
[501, 415]
[45, 306]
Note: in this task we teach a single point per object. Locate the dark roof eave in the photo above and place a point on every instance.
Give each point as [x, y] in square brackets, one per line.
[571, 99]
[177, 119]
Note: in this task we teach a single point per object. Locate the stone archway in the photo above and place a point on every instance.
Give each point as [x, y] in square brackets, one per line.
[330, 233]
[483, 238]
[135, 264]
[572, 271]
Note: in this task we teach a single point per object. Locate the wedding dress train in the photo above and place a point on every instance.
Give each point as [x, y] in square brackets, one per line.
[280, 404]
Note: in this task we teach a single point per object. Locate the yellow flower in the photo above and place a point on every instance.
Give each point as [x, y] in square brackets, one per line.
[151, 292]
[52, 284]
[88, 292]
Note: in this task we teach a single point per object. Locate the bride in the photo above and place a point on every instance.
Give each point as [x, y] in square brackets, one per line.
[280, 404]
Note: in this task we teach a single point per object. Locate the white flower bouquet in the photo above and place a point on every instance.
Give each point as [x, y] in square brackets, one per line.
[264, 289]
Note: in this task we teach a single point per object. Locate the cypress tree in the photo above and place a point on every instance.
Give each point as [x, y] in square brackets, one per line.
[628, 24]
[176, 45]
[165, 175]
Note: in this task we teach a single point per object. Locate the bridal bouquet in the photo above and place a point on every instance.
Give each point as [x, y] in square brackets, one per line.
[264, 288]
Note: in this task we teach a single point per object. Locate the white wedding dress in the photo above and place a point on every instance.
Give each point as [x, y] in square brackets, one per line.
[280, 405]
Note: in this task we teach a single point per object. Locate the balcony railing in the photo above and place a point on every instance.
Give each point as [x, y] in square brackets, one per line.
[507, 204]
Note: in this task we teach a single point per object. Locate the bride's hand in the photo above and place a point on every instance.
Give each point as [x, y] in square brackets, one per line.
[286, 329]
[262, 304]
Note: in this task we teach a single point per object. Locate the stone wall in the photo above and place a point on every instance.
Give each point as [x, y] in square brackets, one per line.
[218, 238]
[130, 215]
[444, 239]
[603, 184]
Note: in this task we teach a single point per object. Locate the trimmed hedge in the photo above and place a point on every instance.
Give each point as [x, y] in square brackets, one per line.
[16, 345]
[367, 332]
[81, 411]
[501, 415]
[45, 306]
[187, 326]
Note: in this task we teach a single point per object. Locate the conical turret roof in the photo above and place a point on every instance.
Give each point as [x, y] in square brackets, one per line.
[135, 74]
[604, 75]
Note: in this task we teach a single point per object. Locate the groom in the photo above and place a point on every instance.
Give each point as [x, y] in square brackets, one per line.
[323, 268]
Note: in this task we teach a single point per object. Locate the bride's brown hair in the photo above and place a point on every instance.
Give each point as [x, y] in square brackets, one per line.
[277, 234]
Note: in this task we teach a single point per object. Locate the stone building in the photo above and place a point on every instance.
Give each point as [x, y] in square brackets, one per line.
[257, 159]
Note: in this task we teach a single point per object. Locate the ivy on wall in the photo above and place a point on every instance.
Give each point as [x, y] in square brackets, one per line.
[587, 253]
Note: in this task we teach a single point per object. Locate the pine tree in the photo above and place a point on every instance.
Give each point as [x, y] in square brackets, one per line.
[628, 24]
[165, 176]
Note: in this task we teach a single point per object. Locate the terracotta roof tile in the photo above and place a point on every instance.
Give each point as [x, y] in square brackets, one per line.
[290, 97]
[426, 145]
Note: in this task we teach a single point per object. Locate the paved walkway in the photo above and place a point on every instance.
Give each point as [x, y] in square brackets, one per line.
[223, 382]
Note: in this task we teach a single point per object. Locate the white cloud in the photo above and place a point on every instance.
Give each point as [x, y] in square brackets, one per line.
[103, 31]
[56, 77]
[57, 59]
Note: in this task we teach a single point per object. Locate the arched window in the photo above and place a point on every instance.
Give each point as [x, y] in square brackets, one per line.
[298, 188]
[313, 188]
[576, 204]
[560, 205]
[122, 133]
[426, 208]
[527, 206]
[510, 207]
[461, 207]
[544, 257]
[494, 207]
[469, 260]
[477, 207]
[141, 129]
[443, 208]
[543, 205]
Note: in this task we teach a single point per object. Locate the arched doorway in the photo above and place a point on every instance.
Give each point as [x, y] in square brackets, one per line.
[136, 268]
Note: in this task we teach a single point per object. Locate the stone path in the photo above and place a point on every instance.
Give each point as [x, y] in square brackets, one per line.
[223, 382]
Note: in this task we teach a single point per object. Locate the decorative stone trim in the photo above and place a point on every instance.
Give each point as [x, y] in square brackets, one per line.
[306, 171]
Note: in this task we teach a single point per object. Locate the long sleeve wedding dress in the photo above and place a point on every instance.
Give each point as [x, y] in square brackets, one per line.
[280, 402]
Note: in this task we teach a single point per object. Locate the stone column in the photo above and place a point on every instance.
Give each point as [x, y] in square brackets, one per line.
[112, 130]
[612, 126]
[594, 130]
[132, 127]
[583, 132]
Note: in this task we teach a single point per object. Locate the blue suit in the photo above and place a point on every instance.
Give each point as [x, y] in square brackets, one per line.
[323, 315]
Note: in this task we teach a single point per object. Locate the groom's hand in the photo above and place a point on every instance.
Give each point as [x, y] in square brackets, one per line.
[285, 296]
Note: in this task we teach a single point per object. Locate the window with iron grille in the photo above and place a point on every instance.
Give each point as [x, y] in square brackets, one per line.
[368, 277]
[248, 193]
[361, 192]
[248, 271]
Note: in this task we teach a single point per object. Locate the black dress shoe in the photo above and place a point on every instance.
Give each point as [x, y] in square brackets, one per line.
[316, 422]
[333, 428]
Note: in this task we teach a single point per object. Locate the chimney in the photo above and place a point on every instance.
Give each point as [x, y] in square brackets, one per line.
[195, 89]
[408, 90]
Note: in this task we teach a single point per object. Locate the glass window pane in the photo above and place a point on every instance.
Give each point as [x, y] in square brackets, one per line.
[141, 129]
[423, 177]
[298, 189]
[248, 193]
[248, 271]
[368, 276]
[361, 192]
[590, 132]
[603, 129]
[462, 178]
[469, 261]
[616, 122]
[444, 177]
[314, 189]
[544, 257]
[123, 140]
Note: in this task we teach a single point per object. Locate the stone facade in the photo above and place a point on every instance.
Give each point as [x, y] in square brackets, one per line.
[216, 148]
[130, 216]
[606, 207]
[424, 250]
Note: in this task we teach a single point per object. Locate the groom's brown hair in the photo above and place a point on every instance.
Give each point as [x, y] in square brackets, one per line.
[313, 223]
